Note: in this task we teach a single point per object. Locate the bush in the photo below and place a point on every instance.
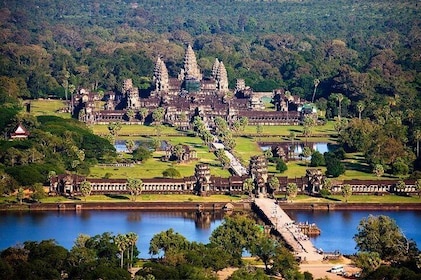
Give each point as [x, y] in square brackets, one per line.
[334, 167]
[281, 165]
[317, 159]
[141, 154]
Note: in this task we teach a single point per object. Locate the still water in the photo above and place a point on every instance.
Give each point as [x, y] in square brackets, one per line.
[64, 227]
[338, 227]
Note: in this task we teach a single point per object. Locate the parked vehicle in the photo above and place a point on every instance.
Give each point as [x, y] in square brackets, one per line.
[337, 269]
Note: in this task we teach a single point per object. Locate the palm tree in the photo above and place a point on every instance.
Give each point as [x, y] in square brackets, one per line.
[274, 183]
[288, 97]
[346, 191]
[292, 190]
[417, 135]
[418, 186]
[179, 151]
[316, 84]
[20, 195]
[121, 242]
[339, 97]
[130, 114]
[291, 137]
[143, 112]
[135, 187]
[132, 238]
[130, 145]
[360, 108]
[248, 185]
[268, 153]
[378, 170]
[85, 189]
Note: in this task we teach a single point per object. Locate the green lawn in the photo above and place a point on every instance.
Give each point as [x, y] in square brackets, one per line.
[284, 130]
[144, 130]
[48, 107]
[358, 199]
[147, 197]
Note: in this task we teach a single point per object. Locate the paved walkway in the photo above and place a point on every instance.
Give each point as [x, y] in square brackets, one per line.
[292, 235]
[234, 162]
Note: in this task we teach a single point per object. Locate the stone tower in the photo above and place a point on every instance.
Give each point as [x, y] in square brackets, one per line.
[221, 77]
[191, 69]
[215, 67]
[202, 174]
[131, 93]
[160, 76]
[258, 170]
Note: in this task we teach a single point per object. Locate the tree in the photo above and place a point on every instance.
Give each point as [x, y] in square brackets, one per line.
[132, 239]
[248, 185]
[418, 186]
[368, 261]
[417, 136]
[171, 172]
[20, 195]
[130, 114]
[122, 244]
[114, 128]
[265, 249]
[268, 153]
[130, 145]
[85, 189]
[380, 234]
[339, 97]
[292, 190]
[38, 192]
[308, 124]
[317, 159]
[259, 131]
[274, 183]
[179, 151]
[316, 82]
[378, 170]
[143, 112]
[234, 235]
[399, 167]
[334, 167]
[135, 187]
[360, 108]
[306, 153]
[285, 264]
[281, 166]
[167, 240]
[346, 191]
[158, 115]
[141, 154]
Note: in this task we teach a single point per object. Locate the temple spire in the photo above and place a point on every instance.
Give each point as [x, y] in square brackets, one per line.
[191, 69]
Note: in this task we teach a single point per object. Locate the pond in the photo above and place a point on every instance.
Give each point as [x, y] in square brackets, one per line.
[297, 148]
[120, 145]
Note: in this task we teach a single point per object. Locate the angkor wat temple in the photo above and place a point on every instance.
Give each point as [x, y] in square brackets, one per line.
[189, 95]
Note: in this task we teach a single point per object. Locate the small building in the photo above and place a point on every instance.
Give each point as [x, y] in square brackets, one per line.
[20, 133]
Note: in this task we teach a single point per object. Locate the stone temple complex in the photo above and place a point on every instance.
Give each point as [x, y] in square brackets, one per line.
[188, 95]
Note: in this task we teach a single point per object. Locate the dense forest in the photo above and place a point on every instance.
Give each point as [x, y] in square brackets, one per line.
[354, 58]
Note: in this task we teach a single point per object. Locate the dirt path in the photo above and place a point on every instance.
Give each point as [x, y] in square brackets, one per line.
[321, 269]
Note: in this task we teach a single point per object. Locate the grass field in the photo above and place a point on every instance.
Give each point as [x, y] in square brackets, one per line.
[226, 198]
[47, 107]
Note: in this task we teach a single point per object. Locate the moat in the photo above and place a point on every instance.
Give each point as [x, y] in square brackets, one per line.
[337, 227]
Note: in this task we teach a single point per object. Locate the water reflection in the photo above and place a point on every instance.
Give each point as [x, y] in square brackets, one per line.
[294, 151]
[120, 145]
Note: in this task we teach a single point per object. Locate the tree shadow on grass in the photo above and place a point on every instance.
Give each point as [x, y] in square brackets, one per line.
[116, 196]
[357, 166]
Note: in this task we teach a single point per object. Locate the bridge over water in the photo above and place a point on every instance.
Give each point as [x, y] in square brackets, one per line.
[286, 227]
